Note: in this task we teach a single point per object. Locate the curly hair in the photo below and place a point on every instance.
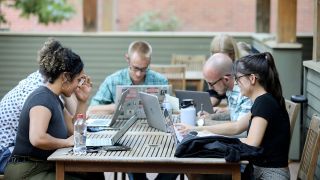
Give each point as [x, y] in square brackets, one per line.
[55, 59]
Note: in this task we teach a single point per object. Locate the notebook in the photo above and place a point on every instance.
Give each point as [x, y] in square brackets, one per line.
[104, 120]
[133, 103]
[199, 98]
[100, 140]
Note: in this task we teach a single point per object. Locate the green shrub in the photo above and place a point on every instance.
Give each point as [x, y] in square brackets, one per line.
[152, 21]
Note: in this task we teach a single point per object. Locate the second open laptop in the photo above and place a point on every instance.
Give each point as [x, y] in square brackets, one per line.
[157, 118]
[98, 139]
[198, 97]
[105, 120]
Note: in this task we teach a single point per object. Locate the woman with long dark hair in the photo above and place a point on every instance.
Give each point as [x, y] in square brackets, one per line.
[268, 124]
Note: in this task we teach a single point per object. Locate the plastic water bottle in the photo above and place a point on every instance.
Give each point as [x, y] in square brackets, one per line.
[80, 135]
[188, 112]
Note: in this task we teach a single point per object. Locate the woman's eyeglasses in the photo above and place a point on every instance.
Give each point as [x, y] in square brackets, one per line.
[237, 78]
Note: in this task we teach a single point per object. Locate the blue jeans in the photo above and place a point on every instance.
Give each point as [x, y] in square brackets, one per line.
[4, 158]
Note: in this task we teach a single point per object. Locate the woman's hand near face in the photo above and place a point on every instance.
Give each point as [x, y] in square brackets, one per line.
[84, 89]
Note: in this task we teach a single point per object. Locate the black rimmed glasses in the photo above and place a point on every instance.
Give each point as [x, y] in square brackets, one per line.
[137, 69]
[237, 78]
[211, 84]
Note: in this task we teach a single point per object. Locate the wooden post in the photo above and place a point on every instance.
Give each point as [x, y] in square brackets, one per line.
[286, 21]
[316, 31]
[89, 15]
[106, 15]
[263, 16]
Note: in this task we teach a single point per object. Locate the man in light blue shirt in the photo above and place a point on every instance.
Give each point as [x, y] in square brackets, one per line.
[217, 72]
[137, 73]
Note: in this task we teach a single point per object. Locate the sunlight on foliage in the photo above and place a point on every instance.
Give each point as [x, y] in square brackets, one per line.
[46, 10]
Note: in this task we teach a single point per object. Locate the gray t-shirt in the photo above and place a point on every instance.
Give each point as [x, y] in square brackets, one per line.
[57, 127]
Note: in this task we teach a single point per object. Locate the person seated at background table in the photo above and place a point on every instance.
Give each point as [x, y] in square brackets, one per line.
[217, 72]
[44, 124]
[268, 123]
[10, 108]
[137, 73]
[226, 44]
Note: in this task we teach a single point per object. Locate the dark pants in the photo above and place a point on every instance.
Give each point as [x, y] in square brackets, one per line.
[38, 170]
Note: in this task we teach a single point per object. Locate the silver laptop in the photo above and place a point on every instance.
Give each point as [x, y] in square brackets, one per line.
[133, 103]
[199, 98]
[154, 114]
[99, 139]
[157, 118]
[105, 120]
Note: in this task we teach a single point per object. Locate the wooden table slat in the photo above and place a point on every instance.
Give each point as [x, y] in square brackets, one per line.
[151, 151]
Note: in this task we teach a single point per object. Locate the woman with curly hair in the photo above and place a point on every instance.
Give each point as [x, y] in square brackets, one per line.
[44, 124]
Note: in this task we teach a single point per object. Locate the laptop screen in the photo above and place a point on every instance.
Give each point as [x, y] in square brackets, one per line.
[171, 129]
[133, 103]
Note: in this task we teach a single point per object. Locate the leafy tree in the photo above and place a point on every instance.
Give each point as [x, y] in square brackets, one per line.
[46, 10]
[152, 21]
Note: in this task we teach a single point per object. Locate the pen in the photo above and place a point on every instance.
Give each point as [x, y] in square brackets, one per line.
[201, 110]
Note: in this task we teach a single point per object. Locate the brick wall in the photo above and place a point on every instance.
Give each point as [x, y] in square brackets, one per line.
[194, 15]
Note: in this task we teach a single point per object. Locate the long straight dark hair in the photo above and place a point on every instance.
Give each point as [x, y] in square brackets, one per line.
[263, 66]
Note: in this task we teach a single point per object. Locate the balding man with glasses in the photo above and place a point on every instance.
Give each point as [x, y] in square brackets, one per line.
[137, 73]
[217, 72]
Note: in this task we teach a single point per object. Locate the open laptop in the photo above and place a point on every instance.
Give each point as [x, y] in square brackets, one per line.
[101, 140]
[157, 118]
[199, 98]
[133, 103]
[105, 120]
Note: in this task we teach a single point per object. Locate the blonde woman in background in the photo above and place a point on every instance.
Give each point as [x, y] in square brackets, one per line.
[225, 44]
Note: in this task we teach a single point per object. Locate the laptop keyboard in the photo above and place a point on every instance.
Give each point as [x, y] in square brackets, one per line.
[100, 116]
[98, 140]
[99, 120]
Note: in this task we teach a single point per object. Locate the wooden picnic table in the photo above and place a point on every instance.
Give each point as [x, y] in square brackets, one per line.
[151, 151]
